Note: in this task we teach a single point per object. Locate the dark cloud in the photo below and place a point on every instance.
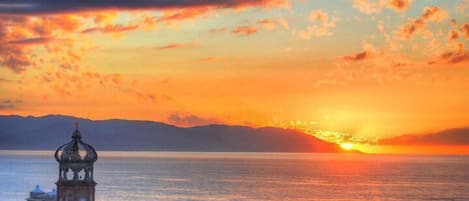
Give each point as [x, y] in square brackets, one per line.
[59, 6]
[189, 120]
[413, 26]
[359, 56]
[455, 57]
[455, 136]
[9, 104]
[6, 106]
[31, 41]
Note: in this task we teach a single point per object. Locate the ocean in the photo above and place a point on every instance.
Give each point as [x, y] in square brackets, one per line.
[188, 176]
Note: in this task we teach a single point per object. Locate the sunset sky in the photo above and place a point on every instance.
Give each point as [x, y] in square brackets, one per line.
[360, 70]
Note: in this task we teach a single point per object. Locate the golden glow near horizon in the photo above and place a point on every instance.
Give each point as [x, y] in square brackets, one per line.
[346, 146]
[343, 71]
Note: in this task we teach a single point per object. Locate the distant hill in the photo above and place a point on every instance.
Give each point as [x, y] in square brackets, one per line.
[455, 136]
[48, 132]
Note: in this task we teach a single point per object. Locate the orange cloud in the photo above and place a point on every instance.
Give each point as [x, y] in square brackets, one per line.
[118, 28]
[35, 23]
[367, 7]
[456, 55]
[245, 30]
[54, 7]
[271, 24]
[177, 46]
[375, 7]
[14, 58]
[433, 13]
[465, 30]
[19, 33]
[322, 27]
[183, 14]
[240, 4]
[399, 5]
[453, 57]
[46, 25]
[104, 17]
[408, 30]
[453, 35]
[72, 83]
[430, 14]
[267, 23]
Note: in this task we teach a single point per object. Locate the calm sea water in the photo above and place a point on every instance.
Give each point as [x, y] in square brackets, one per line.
[149, 176]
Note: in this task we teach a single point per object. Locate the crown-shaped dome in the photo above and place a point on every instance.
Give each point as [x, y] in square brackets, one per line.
[76, 150]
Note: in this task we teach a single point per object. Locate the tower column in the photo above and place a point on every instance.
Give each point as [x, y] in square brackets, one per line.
[77, 157]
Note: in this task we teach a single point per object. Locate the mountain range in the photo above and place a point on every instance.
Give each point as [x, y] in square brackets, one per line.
[48, 132]
[453, 136]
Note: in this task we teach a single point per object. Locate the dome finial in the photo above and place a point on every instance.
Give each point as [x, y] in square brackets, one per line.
[76, 134]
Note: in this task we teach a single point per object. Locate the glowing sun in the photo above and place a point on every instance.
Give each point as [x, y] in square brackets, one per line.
[346, 146]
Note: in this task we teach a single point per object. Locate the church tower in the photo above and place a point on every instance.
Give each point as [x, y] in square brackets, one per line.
[76, 160]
